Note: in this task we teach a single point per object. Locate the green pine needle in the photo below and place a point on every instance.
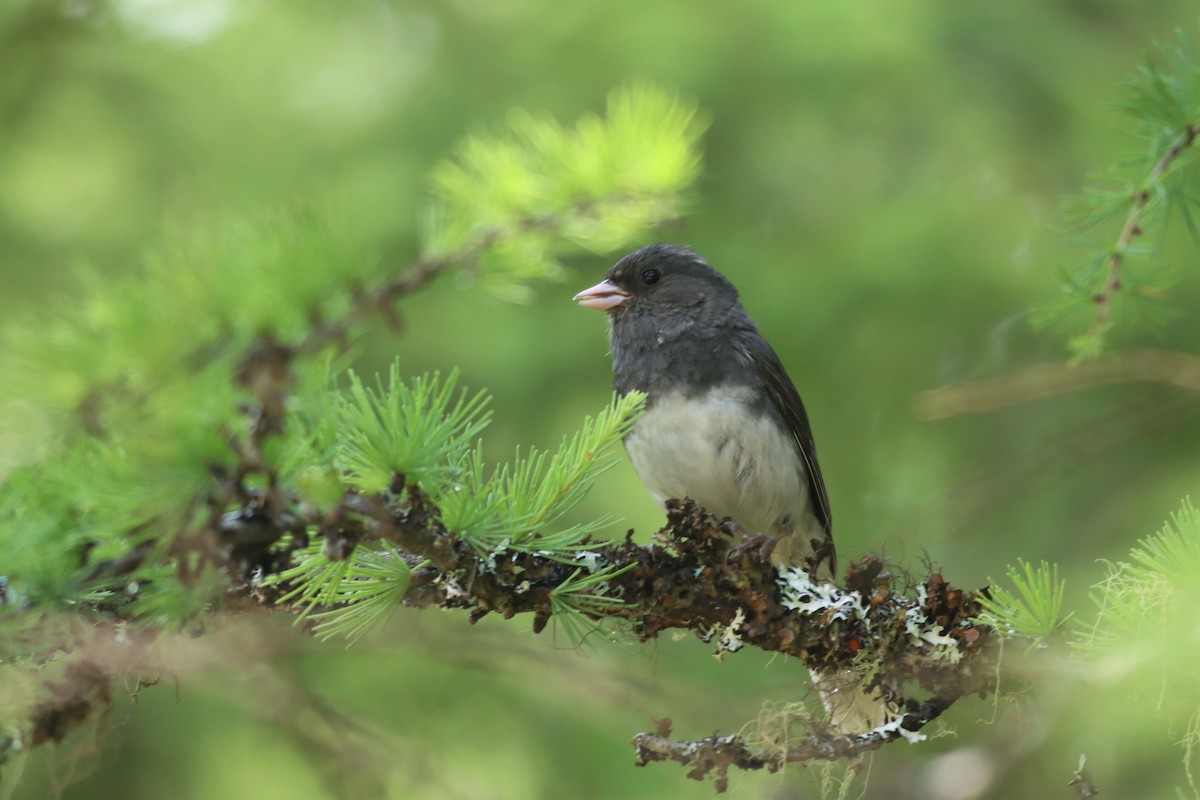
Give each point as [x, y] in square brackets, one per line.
[576, 602]
[539, 491]
[422, 431]
[315, 579]
[1034, 609]
[519, 501]
[1174, 552]
[348, 597]
[368, 592]
[518, 201]
[1141, 600]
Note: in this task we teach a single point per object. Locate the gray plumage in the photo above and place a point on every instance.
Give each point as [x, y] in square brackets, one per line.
[724, 424]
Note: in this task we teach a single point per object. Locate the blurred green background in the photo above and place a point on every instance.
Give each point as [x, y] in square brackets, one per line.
[881, 182]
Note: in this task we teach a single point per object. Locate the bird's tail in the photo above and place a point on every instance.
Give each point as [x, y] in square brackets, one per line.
[853, 707]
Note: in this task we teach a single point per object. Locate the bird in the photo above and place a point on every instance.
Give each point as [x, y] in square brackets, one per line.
[723, 422]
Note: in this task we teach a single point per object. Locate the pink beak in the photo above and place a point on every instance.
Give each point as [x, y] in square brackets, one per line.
[604, 296]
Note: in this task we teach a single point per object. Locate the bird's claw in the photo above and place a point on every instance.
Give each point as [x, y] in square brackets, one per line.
[763, 543]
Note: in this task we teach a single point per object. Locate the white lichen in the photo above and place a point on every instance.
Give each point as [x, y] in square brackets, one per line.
[922, 630]
[451, 591]
[894, 728]
[589, 559]
[801, 594]
[731, 640]
[496, 552]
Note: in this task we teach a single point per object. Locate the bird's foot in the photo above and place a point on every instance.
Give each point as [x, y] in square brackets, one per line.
[764, 544]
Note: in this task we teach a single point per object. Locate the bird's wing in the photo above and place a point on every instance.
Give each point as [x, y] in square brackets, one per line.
[785, 397]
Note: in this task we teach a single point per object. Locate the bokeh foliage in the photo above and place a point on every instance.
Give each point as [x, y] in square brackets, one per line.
[882, 183]
[1119, 278]
[146, 383]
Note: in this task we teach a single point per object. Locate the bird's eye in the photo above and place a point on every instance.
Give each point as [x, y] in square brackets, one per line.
[651, 277]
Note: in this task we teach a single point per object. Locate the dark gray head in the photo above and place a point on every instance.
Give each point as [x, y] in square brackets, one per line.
[675, 321]
[668, 283]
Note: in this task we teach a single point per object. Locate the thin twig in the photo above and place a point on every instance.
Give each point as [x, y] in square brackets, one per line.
[1132, 227]
[716, 754]
[1059, 377]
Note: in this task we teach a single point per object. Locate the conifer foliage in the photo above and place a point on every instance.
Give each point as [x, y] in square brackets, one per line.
[1120, 219]
[196, 438]
[192, 434]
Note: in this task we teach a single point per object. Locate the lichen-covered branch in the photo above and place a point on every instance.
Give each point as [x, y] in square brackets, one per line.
[714, 755]
[700, 574]
[703, 575]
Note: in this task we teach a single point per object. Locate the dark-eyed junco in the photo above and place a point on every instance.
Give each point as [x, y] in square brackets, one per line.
[723, 425]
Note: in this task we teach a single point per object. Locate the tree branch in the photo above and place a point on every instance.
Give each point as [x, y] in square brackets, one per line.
[1059, 377]
[923, 651]
[701, 574]
[719, 753]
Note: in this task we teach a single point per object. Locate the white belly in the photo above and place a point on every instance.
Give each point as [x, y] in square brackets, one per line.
[725, 455]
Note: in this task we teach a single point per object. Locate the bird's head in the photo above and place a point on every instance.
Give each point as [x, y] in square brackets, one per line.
[661, 280]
